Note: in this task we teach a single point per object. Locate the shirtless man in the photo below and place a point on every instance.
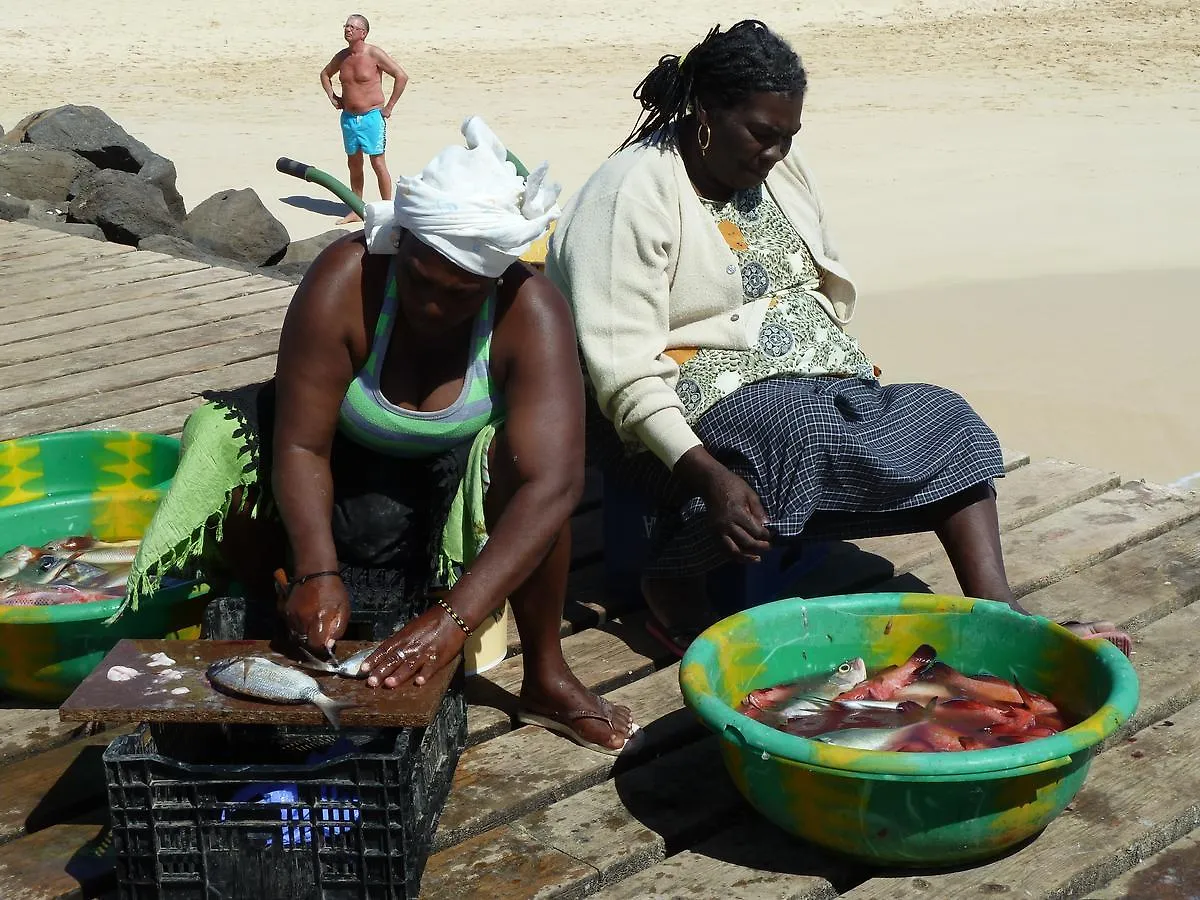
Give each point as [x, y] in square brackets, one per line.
[360, 69]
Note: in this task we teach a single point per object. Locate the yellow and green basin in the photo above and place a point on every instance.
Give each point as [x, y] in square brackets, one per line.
[913, 809]
[106, 484]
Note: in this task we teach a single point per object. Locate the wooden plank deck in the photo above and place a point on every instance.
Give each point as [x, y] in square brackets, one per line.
[132, 341]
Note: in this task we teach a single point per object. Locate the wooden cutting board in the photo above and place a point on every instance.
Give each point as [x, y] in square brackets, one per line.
[180, 692]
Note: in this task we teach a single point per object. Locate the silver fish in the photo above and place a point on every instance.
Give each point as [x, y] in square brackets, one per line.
[114, 556]
[16, 559]
[867, 738]
[43, 570]
[82, 575]
[809, 695]
[253, 676]
[79, 543]
[347, 668]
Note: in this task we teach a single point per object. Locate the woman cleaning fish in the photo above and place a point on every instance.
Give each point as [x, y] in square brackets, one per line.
[922, 705]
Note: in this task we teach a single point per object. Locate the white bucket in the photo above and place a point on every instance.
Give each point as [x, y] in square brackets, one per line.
[488, 644]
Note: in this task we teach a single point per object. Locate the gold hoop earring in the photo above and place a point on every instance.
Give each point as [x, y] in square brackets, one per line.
[703, 142]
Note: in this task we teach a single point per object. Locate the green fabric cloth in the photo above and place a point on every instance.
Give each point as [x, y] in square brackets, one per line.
[466, 528]
[190, 519]
[216, 459]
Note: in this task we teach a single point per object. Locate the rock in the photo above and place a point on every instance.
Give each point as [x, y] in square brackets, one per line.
[125, 207]
[78, 228]
[303, 252]
[12, 208]
[17, 134]
[235, 224]
[177, 246]
[39, 173]
[47, 212]
[89, 132]
[279, 273]
[160, 172]
[1, 132]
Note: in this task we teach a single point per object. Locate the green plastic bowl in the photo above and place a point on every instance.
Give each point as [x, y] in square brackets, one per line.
[910, 809]
[108, 485]
[84, 462]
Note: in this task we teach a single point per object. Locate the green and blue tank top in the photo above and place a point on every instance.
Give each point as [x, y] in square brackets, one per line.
[368, 418]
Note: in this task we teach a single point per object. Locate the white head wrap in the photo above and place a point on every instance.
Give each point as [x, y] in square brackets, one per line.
[469, 204]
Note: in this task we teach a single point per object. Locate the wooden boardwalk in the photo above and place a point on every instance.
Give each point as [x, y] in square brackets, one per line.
[99, 336]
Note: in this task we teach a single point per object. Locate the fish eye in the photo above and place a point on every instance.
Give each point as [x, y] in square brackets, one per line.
[844, 668]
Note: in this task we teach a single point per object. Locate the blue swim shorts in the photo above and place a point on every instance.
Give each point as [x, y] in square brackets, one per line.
[364, 131]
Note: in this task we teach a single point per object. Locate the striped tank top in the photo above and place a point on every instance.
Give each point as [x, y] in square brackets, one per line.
[368, 418]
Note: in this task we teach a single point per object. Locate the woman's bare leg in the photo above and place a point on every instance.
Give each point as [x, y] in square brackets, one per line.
[969, 528]
[549, 686]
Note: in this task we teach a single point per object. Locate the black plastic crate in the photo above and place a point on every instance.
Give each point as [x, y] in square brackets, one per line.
[188, 821]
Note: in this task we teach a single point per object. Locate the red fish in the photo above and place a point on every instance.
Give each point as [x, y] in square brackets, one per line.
[891, 681]
[981, 688]
[53, 595]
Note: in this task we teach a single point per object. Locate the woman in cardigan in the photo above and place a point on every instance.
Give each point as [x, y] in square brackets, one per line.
[711, 304]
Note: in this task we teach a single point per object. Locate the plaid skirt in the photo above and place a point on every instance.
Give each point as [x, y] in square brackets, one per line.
[830, 459]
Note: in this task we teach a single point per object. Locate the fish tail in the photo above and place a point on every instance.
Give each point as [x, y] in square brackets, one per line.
[923, 657]
[332, 708]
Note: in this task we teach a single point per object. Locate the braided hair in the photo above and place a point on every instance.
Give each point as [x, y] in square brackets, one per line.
[720, 71]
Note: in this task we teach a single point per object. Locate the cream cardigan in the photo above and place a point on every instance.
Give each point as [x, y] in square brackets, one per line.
[646, 271]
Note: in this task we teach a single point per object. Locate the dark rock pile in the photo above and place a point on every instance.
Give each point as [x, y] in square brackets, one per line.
[74, 169]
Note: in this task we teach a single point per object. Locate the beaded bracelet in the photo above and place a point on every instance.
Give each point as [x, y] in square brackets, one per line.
[458, 620]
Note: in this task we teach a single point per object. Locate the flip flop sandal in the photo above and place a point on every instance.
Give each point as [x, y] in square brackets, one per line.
[560, 724]
[1120, 638]
[675, 640]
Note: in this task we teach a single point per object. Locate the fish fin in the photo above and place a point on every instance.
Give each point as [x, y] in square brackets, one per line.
[1026, 698]
[311, 661]
[332, 708]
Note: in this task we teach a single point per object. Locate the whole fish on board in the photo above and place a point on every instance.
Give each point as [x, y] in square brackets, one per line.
[261, 679]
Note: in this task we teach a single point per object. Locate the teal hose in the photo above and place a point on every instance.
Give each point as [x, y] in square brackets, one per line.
[305, 172]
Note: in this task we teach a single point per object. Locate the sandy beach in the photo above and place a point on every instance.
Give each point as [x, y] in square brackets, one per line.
[1013, 184]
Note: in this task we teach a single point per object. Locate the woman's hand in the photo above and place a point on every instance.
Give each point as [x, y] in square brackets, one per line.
[734, 510]
[416, 651]
[317, 612]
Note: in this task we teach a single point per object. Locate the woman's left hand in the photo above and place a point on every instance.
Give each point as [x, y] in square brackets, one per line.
[416, 651]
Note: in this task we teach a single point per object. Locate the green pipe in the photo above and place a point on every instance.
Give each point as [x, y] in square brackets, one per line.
[305, 172]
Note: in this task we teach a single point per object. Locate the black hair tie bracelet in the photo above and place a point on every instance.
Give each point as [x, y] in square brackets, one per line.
[303, 578]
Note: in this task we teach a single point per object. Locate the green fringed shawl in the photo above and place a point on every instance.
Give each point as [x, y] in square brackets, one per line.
[219, 455]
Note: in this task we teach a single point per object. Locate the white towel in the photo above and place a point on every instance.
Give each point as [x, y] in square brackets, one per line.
[469, 204]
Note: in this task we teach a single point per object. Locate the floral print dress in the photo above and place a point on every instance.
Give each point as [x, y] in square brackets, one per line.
[797, 337]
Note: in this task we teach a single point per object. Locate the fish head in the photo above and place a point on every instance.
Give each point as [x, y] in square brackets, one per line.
[221, 666]
[17, 559]
[72, 544]
[850, 673]
[351, 667]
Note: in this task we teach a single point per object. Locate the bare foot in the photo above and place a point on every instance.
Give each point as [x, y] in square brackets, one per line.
[568, 703]
[349, 218]
[1102, 631]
